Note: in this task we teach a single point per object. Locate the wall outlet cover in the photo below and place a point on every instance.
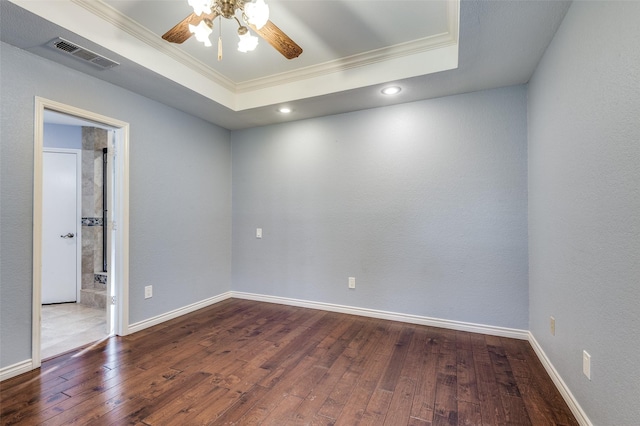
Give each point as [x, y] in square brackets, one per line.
[352, 282]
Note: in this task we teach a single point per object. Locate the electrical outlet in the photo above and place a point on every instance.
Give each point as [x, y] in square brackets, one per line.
[258, 232]
[552, 325]
[586, 364]
[352, 282]
[148, 292]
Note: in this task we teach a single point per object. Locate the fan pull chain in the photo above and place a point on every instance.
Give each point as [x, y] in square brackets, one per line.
[220, 39]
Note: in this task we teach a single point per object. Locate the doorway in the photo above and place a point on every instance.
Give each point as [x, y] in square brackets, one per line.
[74, 274]
[99, 304]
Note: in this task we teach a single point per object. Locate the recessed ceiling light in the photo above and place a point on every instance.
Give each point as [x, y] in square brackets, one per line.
[391, 90]
[284, 110]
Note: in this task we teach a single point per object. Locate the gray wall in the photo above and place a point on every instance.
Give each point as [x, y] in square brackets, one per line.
[584, 206]
[180, 219]
[62, 136]
[424, 203]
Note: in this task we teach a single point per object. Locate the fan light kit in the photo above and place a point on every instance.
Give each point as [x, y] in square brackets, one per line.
[254, 15]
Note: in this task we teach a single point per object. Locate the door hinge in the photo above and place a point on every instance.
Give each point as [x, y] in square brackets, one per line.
[113, 300]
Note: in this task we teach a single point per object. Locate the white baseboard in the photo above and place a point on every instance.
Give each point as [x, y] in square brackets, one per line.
[141, 325]
[562, 387]
[15, 369]
[393, 316]
[351, 310]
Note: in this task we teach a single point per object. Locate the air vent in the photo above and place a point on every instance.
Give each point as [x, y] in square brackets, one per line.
[80, 52]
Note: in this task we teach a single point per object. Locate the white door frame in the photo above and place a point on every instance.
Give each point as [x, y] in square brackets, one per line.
[120, 272]
[78, 229]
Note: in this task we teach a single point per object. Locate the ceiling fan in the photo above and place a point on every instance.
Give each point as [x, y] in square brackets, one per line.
[254, 14]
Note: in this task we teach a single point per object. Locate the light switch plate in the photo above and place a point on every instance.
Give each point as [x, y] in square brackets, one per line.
[586, 364]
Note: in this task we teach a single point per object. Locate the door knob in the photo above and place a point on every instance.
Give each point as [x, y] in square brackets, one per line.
[69, 235]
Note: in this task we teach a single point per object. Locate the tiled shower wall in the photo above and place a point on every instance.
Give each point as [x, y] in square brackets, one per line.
[93, 291]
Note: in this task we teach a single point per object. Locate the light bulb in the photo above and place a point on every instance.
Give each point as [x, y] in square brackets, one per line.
[201, 31]
[257, 13]
[247, 42]
[392, 90]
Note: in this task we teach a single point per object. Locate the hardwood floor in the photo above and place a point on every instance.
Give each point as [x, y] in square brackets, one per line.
[243, 362]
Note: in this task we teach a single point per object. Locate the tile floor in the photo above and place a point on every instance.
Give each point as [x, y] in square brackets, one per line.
[67, 326]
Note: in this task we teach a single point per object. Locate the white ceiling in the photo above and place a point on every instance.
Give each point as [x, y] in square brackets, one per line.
[351, 49]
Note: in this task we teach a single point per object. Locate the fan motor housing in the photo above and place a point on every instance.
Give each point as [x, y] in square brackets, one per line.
[228, 8]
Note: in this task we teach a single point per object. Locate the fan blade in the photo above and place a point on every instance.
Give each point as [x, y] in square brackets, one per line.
[279, 40]
[180, 33]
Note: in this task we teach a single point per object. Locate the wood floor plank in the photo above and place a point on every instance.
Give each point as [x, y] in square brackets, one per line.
[469, 413]
[240, 407]
[466, 377]
[76, 398]
[317, 397]
[332, 346]
[413, 421]
[306, 381]
[377, 407]
[178, 405]
[284, 413]
[261, 409]
[287, 358]
[207, 409]
[375, 367]
[335, 402]
[27, 411]
[446, 406]
[415, 354]
[244, 362]
[88, 409]
[400, 408]
[488, 390]
[542, 398]
[352, 358]
[295, 339]
[502, 371]
[425, 392]
[392, 372]
[514, 408]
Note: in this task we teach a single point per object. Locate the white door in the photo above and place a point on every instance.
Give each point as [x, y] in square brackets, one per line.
[60, 226]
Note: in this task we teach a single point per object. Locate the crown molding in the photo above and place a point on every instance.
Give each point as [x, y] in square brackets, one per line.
[407, 49]
[133, 28]
[384, 54]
